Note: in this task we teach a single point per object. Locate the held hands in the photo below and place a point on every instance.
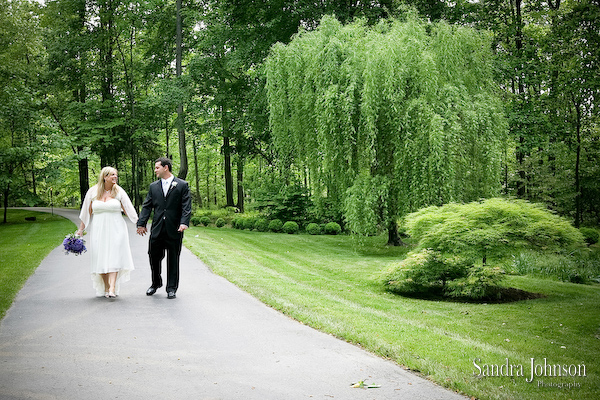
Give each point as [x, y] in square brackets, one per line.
[142, 230]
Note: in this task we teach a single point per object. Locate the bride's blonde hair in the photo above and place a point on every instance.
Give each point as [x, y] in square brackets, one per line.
[106, 171]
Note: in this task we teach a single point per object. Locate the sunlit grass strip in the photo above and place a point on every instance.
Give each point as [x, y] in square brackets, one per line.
[23, 246]
[327, 283]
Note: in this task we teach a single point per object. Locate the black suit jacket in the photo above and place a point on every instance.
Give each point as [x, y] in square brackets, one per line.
[169, 212]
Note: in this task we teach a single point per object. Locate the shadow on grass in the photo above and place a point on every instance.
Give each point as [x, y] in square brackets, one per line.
[18, 216]
[502, 295]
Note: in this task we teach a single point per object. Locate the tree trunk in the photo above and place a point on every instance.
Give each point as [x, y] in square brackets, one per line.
[227, 171]
[520, 155]
[6, 193]
[208, 180]
[227, 158]
[215, 188]
[393, 236]
[240, 186]
[84, 183]
[520, 151]
[135, 184]
[183, 161]
[198, 196]
[167, 135]
[578, 207]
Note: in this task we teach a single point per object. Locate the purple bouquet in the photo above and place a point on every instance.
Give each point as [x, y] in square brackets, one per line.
[74, 244]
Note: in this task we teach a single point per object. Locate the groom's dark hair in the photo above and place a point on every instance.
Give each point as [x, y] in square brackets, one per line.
[165, 162]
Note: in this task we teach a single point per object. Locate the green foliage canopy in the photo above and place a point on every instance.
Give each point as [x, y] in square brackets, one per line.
[404, 113]
[491, 230]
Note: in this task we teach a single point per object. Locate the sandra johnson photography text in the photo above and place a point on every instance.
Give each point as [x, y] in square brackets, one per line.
[535, 369]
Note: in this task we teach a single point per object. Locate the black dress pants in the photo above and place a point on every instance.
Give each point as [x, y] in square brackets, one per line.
[156, 250]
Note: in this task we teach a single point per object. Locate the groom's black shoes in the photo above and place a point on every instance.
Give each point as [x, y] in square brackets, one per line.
[151, 290]
[171, 294]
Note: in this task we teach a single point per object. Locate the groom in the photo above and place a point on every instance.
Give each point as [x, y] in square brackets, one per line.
[170, 199]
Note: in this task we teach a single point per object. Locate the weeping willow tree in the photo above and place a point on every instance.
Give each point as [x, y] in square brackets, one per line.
[388, 119]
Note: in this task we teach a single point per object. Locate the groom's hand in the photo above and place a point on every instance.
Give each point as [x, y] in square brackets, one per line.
[182, 228]
[141, 230]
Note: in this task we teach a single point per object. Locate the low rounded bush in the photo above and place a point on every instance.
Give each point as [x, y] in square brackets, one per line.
[248, 223]
[275, 225]
[333, 228]
[313, 229]
[290, 227]
[429, 272]
[205, 220]
[220, 222]
[590, 235]
[237, 223]
[261, 225]
[195, 221]
[460, 247]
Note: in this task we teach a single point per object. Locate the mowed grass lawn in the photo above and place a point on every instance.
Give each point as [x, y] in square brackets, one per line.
[23, 246]
[329, 284]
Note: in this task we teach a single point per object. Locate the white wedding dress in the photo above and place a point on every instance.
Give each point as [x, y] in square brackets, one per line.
[108, 240]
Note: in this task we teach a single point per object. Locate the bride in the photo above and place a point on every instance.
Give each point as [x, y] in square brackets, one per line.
[109, 242]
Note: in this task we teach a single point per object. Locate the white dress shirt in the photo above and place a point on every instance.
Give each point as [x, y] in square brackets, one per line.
[166, 184]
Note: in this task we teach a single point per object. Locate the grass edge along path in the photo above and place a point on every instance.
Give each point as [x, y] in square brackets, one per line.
[23, 246]
[324, 282]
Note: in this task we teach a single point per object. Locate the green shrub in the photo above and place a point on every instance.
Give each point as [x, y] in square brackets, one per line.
[261, 225]
[480, 282]
[290, 227]
[491, 230]
[275, 225]
[332, 228]
[227, 214]
[195, 221]
[429, 272]
[460, 248]
[205, 220]
[248, 223]
[421, 271]
[220, 222]
[581, 267]
[313, 229]
[284, 202]
[237, 223]
[590, 235]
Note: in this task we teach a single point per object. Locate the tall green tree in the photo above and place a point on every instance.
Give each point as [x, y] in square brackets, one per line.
[183, 160]
[21, 54]
[574, 90]
[547, 65]
[169, 37]
[390, 118]
[234, 41]
[67, 40]
[97, 86]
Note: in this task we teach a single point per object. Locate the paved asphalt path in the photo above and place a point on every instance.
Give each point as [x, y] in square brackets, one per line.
[214, 341]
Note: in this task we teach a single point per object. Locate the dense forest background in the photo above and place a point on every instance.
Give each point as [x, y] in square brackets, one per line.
[89, 83]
